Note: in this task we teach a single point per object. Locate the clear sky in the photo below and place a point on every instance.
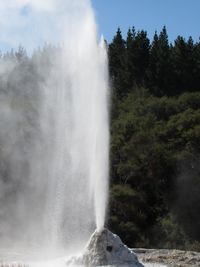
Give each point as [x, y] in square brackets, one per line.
[181, 17]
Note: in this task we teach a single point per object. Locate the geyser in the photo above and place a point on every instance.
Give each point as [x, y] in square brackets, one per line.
[54, 132]
[105, 249]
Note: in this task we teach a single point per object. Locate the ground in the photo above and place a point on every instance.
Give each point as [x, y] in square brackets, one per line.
[170, 258]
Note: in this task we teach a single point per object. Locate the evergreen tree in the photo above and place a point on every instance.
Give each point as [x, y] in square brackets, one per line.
[117, 65]
[197, 66]
[138, 57]
[21, 54]
[130, 50]
[183, 55]
[159, 70]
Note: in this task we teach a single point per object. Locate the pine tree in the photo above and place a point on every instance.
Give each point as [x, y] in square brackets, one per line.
[197, 66]
[183, 55]
[117, 65]
[143, 46]
[130, 50]
[139, 59]
[159, 71]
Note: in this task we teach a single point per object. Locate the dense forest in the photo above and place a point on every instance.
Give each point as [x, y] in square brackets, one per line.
[155, 140]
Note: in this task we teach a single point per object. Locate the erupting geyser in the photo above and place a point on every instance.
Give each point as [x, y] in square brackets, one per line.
[54, 138]
[54, 130]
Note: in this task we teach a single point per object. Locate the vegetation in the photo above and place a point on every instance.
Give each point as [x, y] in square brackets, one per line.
[155, 144]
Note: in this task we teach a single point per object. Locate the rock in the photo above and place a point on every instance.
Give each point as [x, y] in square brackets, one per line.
[169, 257]
[105, 248]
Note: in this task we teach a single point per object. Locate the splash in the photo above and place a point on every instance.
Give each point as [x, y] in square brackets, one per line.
[54, 129]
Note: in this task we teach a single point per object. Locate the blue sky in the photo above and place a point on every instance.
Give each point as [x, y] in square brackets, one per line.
[181, 17]
[35, 23]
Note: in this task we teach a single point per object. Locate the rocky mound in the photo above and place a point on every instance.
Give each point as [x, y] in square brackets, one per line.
[105, 248]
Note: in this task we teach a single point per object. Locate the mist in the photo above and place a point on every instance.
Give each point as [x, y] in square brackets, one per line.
[54, 128]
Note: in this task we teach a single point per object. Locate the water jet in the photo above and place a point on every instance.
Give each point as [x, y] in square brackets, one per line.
[55, 140]
[54, 134]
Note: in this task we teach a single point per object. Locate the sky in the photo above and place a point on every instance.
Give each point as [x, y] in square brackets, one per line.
[19, 19]
[181, 17]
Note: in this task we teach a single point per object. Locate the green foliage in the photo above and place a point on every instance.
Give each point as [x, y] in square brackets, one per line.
[168, 234]
[165, 69]
[153, 138]
[187, 189]
[117, 64]
[159, 69]
[126, 205]
[137, 57]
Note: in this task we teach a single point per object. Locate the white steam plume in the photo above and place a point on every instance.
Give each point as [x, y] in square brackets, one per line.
[54, 126]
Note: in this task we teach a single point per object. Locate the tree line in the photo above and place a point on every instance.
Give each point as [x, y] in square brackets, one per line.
[162, 67]
[155, 140]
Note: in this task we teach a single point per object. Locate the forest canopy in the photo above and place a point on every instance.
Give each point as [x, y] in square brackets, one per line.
[155, 140]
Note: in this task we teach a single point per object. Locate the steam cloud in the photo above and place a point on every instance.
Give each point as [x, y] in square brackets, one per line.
[53, 126]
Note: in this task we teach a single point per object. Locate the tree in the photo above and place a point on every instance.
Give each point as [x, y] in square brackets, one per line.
[21, 54]
[184, 66]
[117, 65]
[159, 70]
[151, 138]
[137, 57]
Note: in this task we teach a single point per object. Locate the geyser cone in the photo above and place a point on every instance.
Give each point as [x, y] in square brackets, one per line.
[105, 248]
